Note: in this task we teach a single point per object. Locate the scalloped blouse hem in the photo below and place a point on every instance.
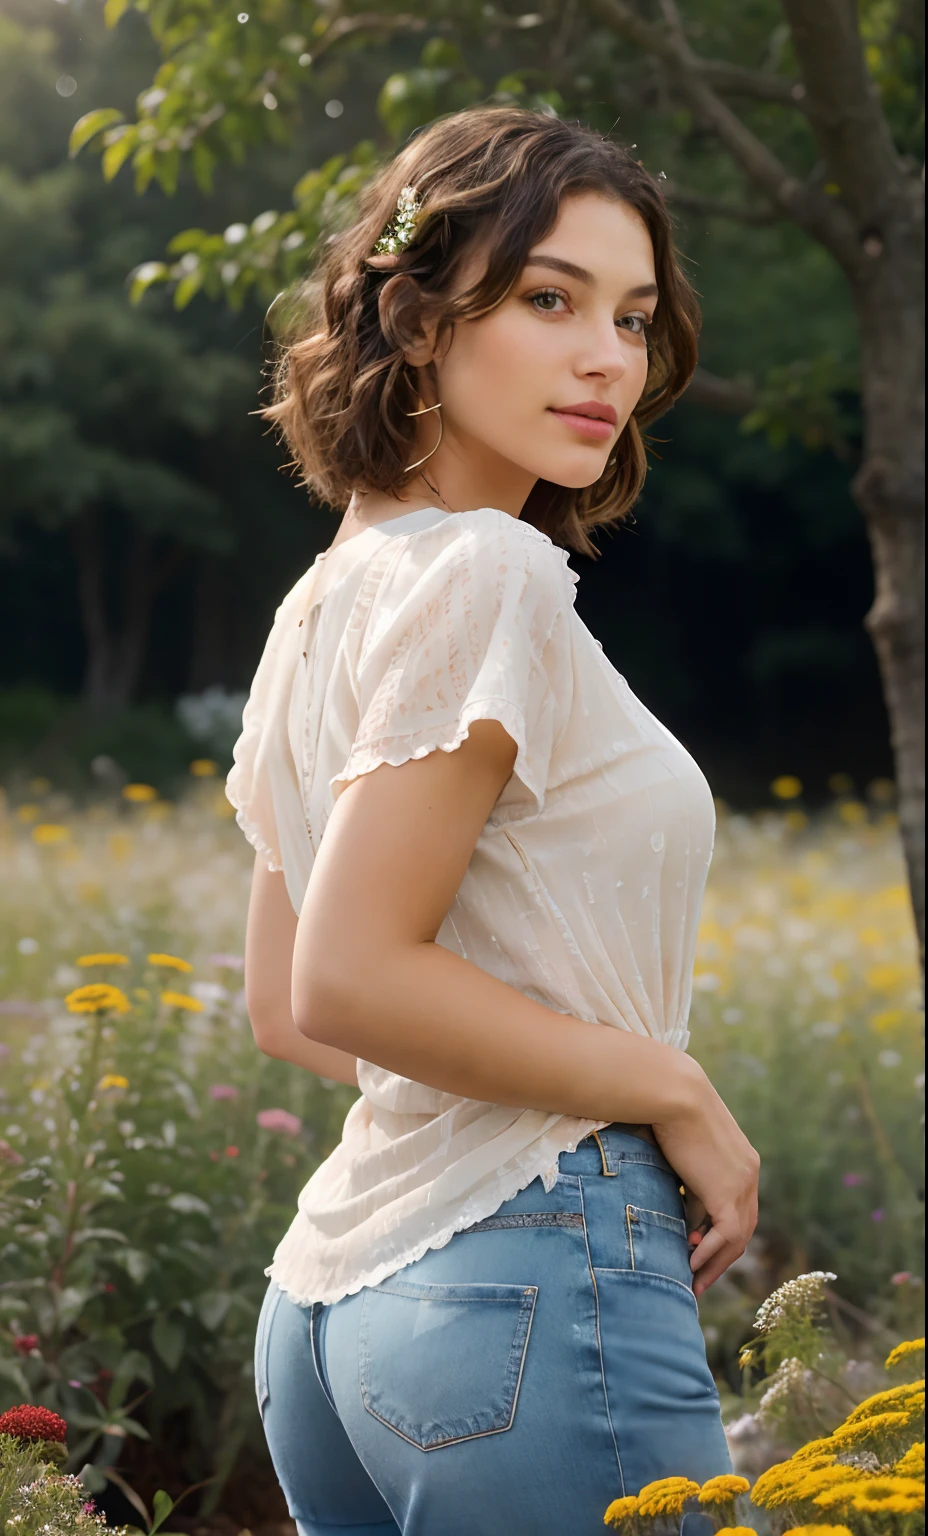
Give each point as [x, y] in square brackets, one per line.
[290, 1261]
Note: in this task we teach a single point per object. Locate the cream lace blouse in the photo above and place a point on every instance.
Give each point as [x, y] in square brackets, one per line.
[585, 886]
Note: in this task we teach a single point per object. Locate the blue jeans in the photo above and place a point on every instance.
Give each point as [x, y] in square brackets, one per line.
[546, 1361]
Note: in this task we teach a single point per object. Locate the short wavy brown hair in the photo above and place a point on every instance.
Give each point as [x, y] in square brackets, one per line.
[341, 384]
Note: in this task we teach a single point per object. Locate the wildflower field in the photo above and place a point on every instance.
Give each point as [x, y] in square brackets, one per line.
[150, 1157]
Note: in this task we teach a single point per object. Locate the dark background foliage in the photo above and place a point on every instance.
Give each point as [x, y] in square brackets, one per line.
[733, 605]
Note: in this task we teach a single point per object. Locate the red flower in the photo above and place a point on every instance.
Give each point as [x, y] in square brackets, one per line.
[30, 1423]
[25, 1343]
[231, 1151]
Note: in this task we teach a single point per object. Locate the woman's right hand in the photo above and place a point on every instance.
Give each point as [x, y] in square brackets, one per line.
[719, 1169]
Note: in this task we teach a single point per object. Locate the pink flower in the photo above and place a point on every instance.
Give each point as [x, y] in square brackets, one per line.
[279, 1120]
[901, 1277]
[219, 1091]
[228, 962]
[878, 1215]
[850, 1180]
[231, 1151]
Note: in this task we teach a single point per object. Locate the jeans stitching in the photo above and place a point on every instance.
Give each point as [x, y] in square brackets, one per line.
[599, 1345]
[523, 1328]
[263, 1345]
[315, 1312]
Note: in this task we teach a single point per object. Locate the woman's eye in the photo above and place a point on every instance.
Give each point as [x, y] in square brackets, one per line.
[637, 324]
[546, 300]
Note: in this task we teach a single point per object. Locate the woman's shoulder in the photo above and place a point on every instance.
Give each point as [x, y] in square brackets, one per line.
[491, 542]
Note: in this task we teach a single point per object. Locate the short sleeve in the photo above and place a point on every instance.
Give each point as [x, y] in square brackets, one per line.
[263, 784]
[477, 631]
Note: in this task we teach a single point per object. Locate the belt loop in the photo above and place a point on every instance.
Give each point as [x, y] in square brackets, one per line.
[608, 1173]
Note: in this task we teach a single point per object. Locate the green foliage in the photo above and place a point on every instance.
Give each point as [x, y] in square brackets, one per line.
[35, 1499]
[140, 1202]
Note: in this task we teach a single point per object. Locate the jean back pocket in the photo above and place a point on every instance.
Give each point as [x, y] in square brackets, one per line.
[443, 1363]
[657, 1244]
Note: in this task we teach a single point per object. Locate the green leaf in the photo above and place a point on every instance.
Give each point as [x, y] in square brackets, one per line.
[163, 1505]
[115, 155]
[203, 161]
[113, 10]
[88, 126]
[149, 272]
[168, 1340]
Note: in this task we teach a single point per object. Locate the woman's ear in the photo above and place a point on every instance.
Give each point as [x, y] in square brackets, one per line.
[400, 308]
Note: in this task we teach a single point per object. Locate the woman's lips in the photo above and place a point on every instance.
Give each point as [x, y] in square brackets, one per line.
[591, 427]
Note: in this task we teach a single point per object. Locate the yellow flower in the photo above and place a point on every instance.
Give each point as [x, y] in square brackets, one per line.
[182, 1000]
[841, 1496]
[120, 845]
[886, 977]
[49, 832]
[98, 997]
[818, 1530]
[27, 813]
[856, 1431]
[204, 768]
[621, 1509]
[912, 1463]
[102, 960]
[170, 962]
[666, 1496]
[908, 1397]
[736, 1530]
[888, 1020]
[852, 812]
[904, 1351]
[112, 1080]
[723, 1489]
[824, 1477]
[896, 1495]
[139, 793]
[778, 1485]
[786, 787]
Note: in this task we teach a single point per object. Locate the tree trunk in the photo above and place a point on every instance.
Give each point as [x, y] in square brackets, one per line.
[890, 490]
[116, 653]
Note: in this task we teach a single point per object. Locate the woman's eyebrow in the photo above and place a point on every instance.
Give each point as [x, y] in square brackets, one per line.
[570, 269]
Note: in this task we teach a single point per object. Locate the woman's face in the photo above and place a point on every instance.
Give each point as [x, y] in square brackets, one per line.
[543, 385]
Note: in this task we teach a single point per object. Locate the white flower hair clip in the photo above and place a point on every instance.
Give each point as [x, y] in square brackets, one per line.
[401, 228]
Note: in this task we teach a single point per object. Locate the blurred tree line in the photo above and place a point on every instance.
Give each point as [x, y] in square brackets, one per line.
[148, 532]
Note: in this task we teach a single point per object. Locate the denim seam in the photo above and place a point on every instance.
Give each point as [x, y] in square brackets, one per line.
[648, 1274]
[599, 1343]
[263, 1347]
[315, 1312]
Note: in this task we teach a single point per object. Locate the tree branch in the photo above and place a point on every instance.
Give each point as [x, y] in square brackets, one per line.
[732, 80]
[718, 394]
[717, 208]
[843, 106]
[347, 26]
[825, 220]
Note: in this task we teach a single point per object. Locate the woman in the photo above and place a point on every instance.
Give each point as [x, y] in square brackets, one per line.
[480, 862]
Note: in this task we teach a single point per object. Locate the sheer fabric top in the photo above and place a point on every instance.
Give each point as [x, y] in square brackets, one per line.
[584, 888]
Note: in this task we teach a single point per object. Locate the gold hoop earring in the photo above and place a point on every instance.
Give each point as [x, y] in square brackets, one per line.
[424, 412]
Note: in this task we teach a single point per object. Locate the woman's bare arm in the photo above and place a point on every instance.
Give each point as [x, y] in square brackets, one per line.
[268, 963]
[369, 978]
